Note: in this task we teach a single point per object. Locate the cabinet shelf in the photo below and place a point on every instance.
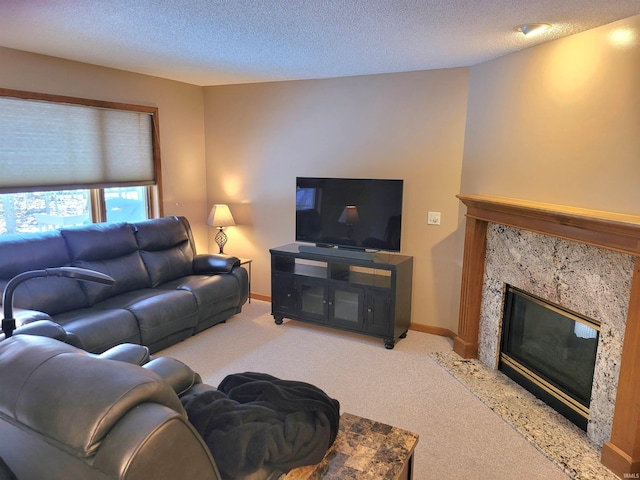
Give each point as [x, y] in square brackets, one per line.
[357, 278]
[310, 271]
[369, 296]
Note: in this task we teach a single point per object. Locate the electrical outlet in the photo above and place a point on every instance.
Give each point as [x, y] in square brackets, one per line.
[433, 218]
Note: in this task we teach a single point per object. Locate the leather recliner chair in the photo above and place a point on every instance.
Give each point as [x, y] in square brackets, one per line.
[67, 414]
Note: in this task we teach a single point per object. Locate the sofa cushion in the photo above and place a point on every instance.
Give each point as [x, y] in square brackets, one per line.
[166, 265]
[19, 253]
[128, 272]
[99, 241]
[160, 233]
[214, 294]
[109, 248]
[161, 314]
[165, 315]
[98, 330]
[165, 248]
[51, 295]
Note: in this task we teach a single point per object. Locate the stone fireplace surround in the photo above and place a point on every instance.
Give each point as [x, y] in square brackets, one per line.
[589, 280]
[555, 242]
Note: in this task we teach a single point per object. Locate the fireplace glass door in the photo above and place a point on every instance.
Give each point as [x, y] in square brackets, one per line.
[551, 351]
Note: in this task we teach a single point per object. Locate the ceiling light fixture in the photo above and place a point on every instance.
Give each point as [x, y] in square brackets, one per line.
[532, 28]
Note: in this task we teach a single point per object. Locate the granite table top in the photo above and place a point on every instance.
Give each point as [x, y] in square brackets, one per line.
[364, 449]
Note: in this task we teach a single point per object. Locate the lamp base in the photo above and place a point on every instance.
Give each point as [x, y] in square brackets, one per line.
[221, 239]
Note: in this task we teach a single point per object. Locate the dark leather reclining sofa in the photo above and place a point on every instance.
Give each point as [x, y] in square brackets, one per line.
[163, 292]
[125, 415]
[70, 415]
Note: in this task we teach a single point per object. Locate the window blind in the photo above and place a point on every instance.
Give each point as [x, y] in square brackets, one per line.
[47, 145]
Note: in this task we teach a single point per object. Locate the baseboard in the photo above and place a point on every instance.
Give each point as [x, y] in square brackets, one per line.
[619, 462]
[443, 332]
[260, 296]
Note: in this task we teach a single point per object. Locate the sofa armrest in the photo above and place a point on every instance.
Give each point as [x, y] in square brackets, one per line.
[178, 375]
[24, 316]
[214, 263]
[42, 328]
[153, 442]
[127, 352]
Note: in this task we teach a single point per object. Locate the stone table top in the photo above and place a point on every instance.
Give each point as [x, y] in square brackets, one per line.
[364, 449]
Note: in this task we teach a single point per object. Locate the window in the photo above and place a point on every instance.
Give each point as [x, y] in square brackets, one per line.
[126, 204]
[305, 198]
[68, 161]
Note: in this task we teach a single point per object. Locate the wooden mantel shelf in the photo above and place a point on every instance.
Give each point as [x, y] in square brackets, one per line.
[607, 230]
[614, 231]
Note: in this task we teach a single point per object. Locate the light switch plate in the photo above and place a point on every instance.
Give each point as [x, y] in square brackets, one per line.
[433, 218]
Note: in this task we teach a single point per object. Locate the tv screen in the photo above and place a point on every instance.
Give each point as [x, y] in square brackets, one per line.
[349, 212]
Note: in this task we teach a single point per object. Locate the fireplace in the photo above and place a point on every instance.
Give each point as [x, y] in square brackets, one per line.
[550, 351]
[614, 234]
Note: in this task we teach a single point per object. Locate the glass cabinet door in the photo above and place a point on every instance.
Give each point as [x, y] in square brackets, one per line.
[346, 306]
[312, 296]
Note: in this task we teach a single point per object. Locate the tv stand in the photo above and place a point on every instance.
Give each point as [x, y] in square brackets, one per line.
[365, 294]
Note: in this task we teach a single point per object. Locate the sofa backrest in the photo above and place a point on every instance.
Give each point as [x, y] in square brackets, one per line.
[109, 248]
[39, 369]
[166, 248]
[136, 255]
[39, 251]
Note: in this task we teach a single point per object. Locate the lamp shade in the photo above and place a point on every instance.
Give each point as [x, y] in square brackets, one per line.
[220, 216]
[349, 215]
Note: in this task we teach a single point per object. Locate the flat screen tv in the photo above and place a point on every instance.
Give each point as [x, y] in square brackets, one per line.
[355, 213]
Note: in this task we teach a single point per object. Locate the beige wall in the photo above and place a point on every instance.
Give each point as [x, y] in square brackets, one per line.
[180, 112]
[410, 126]
[559, 123]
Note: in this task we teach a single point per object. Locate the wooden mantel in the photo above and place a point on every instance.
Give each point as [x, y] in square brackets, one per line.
[607, 230]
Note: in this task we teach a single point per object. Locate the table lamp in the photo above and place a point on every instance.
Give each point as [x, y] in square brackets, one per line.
[220, 217]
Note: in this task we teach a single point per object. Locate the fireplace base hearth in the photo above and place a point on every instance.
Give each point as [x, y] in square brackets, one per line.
[557, 438]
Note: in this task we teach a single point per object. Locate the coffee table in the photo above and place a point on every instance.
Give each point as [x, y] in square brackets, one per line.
[364, 449]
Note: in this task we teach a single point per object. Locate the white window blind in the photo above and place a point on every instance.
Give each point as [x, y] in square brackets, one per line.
[48, 145]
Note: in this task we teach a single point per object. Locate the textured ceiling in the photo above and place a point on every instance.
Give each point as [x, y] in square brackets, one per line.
[213, 42]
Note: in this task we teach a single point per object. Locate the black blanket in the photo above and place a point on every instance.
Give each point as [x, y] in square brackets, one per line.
[256, 421]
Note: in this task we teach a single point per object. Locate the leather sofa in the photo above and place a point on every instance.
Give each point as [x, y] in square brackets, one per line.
[163, 292]
[70, 415]
[125, 415]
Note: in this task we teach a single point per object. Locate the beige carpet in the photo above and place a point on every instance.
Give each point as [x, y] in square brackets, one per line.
[460, 437]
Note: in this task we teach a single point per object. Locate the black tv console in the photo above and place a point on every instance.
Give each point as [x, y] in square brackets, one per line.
[371, 296]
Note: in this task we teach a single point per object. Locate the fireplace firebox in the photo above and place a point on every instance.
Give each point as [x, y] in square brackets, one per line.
[550, 351]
